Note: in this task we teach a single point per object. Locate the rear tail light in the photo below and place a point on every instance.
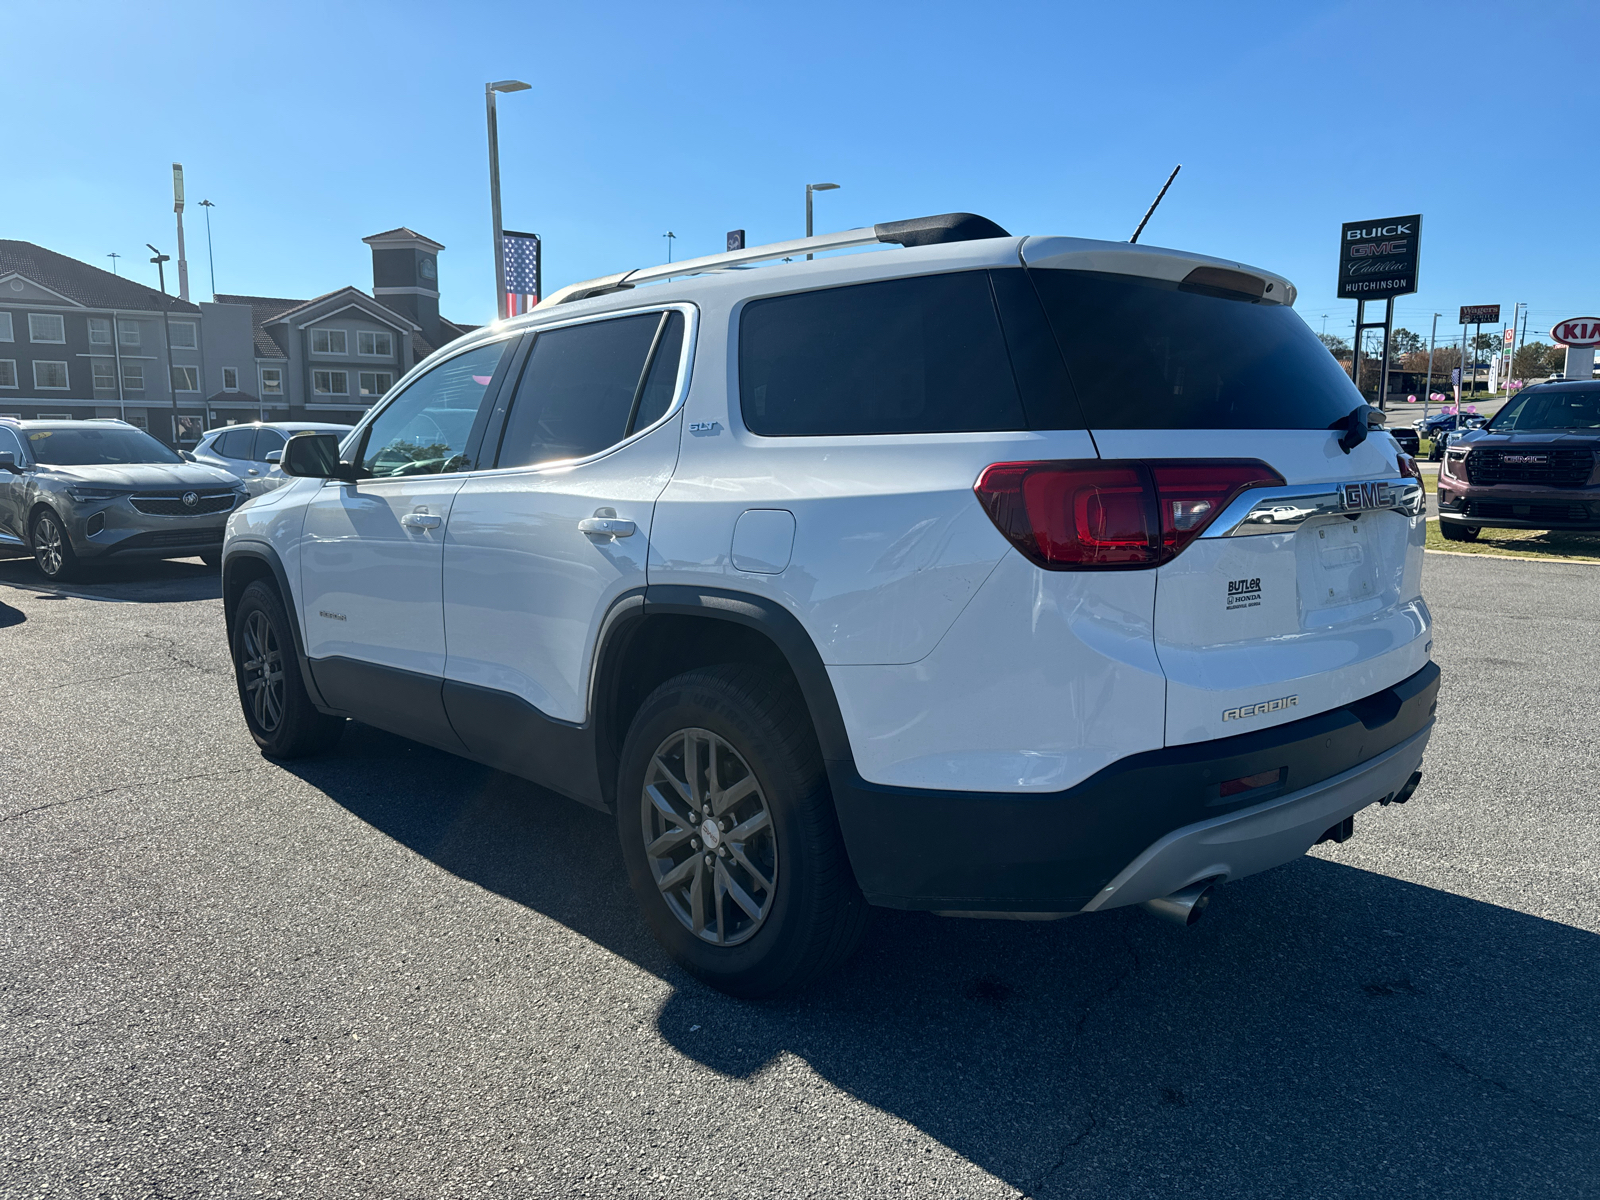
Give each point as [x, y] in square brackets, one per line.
[1408, 467]
[1106, 514]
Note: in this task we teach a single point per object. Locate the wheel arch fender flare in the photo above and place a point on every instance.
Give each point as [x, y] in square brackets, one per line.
[241, 566]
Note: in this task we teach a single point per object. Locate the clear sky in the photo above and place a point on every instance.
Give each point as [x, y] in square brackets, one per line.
[313, 125]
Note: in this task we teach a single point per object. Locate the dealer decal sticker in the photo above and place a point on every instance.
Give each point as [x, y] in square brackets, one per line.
[1244, 593]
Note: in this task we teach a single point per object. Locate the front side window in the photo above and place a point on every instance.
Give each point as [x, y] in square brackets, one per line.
[1155, 354]
[329, 341]
[183, 336]
[376, 383]
[128, 332]
[271, 381]
[185, 379]
[133, 376]
[585, 387]
[100, 331]
[375, 343]
[425, 430]
[46, 327]
[8, 372]
[50, 376]
[5, 327]
[230, 379]
[97, 446]
[920, 355]
[105, 375]
[1563, 407]
[330, 383]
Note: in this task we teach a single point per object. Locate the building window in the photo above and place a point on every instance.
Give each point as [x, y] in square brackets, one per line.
[44, 416]
[329, 341]
[185, 379]
[128, 331]
[105, 374]
[230, 379]
[8, 372]
[375, 344]
[5, 327]
[133, 376]
[183, 335]
[100, 331]
[376, 383]
[50, 376]
[330, 383]
[271, 381]
[47, 327]
[136, 420]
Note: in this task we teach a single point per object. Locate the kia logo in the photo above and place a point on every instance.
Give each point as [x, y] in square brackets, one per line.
[190, 499]
[1578, 331]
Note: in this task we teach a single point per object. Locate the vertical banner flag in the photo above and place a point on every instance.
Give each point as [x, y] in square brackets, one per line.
[521, 251]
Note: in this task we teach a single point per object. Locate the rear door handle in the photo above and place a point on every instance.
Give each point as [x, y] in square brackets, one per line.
[611, 526]
[420, 521]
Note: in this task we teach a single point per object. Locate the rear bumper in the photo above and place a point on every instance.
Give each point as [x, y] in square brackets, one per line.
[1138, 825]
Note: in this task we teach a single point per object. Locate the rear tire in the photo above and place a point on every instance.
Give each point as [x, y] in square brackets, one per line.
[770, 889]
[1453, 532]
[279, 713]
[52, 548]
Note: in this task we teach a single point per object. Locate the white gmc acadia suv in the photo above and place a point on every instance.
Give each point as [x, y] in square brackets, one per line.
[993, 576]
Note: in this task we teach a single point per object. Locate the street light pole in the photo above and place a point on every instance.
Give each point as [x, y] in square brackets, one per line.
[211, 258]
[166, 323]
[1427, 392]
[671, 237]
[489, 89]
[815, 187]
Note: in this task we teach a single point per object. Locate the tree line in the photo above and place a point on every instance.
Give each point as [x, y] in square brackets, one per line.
[1408, 351]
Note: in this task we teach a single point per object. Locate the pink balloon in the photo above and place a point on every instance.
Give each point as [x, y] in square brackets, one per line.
[1411, 399]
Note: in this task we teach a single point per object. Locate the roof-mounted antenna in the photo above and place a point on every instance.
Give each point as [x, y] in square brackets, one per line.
[1159, 194]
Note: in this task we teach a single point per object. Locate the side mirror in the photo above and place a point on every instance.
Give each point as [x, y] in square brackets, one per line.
[8, 462]
[188, 456]
[274, 456]
[314, 456]
[1376, 417]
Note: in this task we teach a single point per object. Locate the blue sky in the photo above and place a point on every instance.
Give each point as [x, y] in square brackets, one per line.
[312, 125]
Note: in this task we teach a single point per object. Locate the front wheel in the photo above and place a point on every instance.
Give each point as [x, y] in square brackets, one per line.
[729, 833]
[1458, 533]
[279, 713]
[52, 549]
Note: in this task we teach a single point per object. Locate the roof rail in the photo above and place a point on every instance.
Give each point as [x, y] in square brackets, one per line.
[920, 231]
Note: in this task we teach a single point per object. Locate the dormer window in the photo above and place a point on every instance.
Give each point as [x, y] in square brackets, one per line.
[375, 344]
[329, 341]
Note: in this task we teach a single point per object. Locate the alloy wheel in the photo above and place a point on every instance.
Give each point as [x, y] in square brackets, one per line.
[709, 838]
[262, 667]
[47, 546]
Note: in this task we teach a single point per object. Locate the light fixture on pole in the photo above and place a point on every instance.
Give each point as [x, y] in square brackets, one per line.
[815, 187]
[489, 89]
[160, 260]
[671, 237]
[211, 258]
[113, 256]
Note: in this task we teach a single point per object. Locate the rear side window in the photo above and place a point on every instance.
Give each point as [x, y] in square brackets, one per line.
[579, 391]
[234, 444]
[267, 440]
[921, 355]
[1152, 354]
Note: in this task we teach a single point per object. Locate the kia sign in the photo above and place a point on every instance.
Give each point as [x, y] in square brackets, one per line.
[1378, 259]
[1480, 314]
[1579, 332]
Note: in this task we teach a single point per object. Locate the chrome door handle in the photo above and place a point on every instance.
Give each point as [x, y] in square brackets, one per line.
[253, 471]
[610, 526]
[420, 521]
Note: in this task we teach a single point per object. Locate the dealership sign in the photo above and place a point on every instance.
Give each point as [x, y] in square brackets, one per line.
[1579, 331]
[1378, 259]
[1480, 314]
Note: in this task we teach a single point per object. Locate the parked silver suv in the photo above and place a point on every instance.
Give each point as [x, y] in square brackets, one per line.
[252, 451]
[76, 491]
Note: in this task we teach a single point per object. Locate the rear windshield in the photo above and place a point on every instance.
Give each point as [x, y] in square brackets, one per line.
[1150, 354]
[96, 447]
[1551, 408]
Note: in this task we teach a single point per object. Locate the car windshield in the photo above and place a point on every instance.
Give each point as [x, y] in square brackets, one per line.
[1551, 408]
[97, 447]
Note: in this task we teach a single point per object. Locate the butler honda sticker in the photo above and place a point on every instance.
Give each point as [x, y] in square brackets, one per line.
[1378, 259]
[1244, 593]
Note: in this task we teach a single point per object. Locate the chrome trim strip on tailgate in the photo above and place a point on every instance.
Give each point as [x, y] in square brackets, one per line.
[1285, 509]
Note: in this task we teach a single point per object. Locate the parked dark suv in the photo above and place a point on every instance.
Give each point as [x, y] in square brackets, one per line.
[1535, 465]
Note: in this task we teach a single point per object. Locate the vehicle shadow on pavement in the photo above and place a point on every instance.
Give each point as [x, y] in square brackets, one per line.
[1325, 1031]
[151, 581]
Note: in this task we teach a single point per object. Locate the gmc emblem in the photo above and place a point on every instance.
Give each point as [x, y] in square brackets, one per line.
[1356, 497]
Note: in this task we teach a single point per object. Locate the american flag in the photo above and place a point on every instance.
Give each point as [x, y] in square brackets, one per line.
[521, 252]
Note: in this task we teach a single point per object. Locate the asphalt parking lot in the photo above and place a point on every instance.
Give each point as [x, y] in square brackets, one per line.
[391, 973]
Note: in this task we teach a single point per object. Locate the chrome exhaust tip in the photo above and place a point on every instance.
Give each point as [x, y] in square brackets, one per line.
[1185, 907]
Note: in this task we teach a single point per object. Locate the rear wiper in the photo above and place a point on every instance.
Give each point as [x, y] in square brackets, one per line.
[1354, 426]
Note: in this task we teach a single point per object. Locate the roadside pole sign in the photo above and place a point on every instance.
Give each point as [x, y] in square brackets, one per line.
[735, 239]
[1378, 259]
[1580, 335]
[1480, 314]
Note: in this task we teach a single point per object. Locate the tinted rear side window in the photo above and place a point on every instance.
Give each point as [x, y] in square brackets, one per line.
[1149, 354]
[922, 355]
[235, 443]
[577, 390]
